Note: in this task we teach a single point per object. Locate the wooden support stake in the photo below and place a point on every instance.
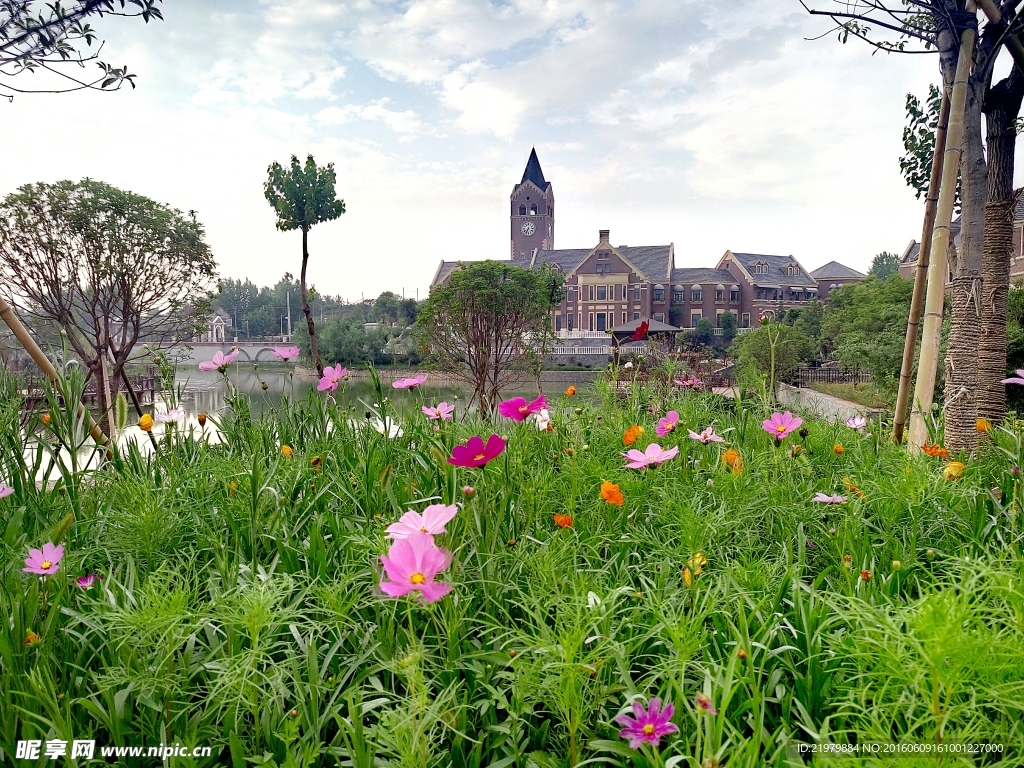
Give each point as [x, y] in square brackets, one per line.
[921, 273]
[22, 335]
[931, 333]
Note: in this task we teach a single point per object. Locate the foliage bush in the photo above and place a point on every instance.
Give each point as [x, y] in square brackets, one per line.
[239, 605]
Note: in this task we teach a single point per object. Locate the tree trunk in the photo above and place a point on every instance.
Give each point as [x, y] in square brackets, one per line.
[314, 351]
[1002, 105]
[961, 365]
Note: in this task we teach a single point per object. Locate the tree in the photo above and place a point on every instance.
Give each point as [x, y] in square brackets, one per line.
[727, 322]
[490, 322]
[302, 197]
[754, 352]
[109, 268]
[919, 143]
[704, 333]
[48, 36]
[884, 264]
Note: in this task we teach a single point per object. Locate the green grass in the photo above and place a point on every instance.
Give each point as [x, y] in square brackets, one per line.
[239, 606]
[868, 395]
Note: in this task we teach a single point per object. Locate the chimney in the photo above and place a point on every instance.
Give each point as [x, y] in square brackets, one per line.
[602, 235]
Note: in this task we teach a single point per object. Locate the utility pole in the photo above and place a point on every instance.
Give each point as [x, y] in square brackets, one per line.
[288, 296]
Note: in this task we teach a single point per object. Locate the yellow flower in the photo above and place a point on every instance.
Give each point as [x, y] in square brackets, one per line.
[32, 638]
[286, 451]
[954, 470]
[694, 567]
[146, 422]
[983, 425]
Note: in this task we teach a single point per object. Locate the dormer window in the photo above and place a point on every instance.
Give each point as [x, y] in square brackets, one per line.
[761, 268]
[792, 270]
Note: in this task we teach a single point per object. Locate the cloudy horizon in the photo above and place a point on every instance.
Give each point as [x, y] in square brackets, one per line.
[710, 127]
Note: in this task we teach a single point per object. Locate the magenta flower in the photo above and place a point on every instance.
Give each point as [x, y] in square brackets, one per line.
[432, 521]
[652, 456]
[781, 424]
[691, 382]
[5, 491]
[332, 378]
[220, 361]
[518, 409]
[707, 436]
[647, 726]
[443, 411]
[824, 498]
[44, 561]
[703, 703]
[475, 454]
[412, 564]
[1018, 379]
[410, 383]
[86, 582]
[286, 353]
[857, 422]
[667, 424]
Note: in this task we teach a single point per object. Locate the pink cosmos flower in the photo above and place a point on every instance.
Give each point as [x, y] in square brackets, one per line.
[824, 498]
[332, 378]
[667, 424]
[86, 582]
[220, 361]
[5, 491]
[688, 382]
[518, 409]
[286, 353]
[781, 424]
[173, 416]
[857, 422]
[410, 383]
[1018, 379]
[44, 561]
[647, 726]
[443, 411]
[412, 564]
[707, 436]
[703, 703]
[432, 521]
[652, 456]
[475, 454]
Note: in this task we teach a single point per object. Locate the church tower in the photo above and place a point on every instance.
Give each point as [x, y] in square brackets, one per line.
[533, 212]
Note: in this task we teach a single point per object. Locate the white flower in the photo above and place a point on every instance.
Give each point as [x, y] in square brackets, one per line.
[393, 430]
[173, 416]
[543, 419]
[629, 364]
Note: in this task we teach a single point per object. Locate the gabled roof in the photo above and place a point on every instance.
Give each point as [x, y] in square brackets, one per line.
[533, 171]
[776, 268]
[834, 270]
[690, 275]
[911, 252]
[653, 261]
[565, 259]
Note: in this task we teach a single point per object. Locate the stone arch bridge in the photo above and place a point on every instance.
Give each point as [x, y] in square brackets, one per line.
[252, 351]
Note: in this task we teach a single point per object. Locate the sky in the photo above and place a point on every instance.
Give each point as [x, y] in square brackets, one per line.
[713, 126]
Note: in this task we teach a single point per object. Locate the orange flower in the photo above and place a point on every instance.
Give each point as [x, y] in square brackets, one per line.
[632, 434]
[733, 461]
[838, 449]
[32, 638]
[315, 464]
[45, 418]
[954, 470]
[562, 520]
[865, 575]
[848, 484]
[570, 391]
[610, 492]
[201, 418]
[935, 450]
[146, 422]
[983, 425]
[286, 451]
[233, 489]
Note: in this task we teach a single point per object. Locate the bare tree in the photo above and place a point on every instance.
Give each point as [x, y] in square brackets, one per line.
[490, 325]
[109, 268]
[41, 36]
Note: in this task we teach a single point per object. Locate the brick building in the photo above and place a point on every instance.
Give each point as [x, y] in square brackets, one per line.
[608, 285]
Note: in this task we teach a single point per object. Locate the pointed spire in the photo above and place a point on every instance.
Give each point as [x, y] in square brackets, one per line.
[533, 172]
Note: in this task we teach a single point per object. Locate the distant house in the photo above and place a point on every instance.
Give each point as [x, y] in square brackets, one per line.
[217, 331]
[835, 275]
[610, 285]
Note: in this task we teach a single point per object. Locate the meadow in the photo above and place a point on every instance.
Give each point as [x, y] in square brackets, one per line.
[823, 588]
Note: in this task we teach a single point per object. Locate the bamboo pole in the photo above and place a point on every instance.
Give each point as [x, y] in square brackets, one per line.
[921, 273]
[22, 335]
[931, 334]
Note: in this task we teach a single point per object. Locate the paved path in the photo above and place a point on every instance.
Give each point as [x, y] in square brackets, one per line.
[826, 406]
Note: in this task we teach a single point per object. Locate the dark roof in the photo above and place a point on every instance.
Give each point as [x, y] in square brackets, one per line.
[776, 268]
[655, 261]
[911, 253]
[835, 270]
[533, 172]
[565, 259]
[446, 269]
[689, 275]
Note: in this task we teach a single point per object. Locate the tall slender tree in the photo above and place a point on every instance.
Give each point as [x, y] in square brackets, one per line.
[303, 196]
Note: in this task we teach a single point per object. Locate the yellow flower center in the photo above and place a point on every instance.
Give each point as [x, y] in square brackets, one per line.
[417, 578]
[46, 564]
[523, 408]
[780, 428]
[648, 730]
[478, 457]
[424, 529]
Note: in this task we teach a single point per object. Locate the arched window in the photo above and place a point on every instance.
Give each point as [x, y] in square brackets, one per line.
[533, 210]
[522, 210]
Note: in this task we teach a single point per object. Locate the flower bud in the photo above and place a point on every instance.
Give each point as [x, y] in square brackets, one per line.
[468, 491]
[201, 418]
